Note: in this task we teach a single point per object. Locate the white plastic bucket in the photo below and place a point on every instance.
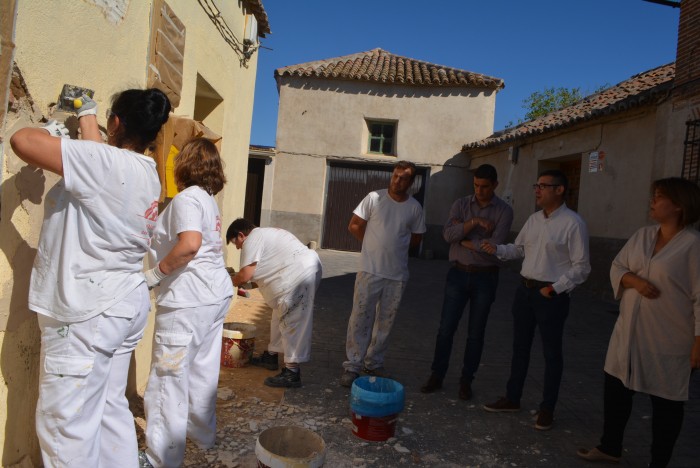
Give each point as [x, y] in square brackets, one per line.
[290, 446]
[237, 344]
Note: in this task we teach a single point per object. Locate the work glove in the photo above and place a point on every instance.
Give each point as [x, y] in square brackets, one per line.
[84, 105]
[154, 276]
[56, 129]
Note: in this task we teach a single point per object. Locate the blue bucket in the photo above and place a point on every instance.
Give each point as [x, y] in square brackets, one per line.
[376, 396]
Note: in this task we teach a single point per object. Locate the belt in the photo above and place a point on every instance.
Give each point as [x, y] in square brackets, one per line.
[476, 268]
[534, 284]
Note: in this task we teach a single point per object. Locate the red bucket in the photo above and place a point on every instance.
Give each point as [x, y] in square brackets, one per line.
[374, 428]
[237, 344]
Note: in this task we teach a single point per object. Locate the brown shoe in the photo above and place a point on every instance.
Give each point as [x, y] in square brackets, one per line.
[595, 455]
[544, 420]
[433, 383]
[502, 405]
[465, 390]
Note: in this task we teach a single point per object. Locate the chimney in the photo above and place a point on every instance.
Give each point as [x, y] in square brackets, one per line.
[687, 80]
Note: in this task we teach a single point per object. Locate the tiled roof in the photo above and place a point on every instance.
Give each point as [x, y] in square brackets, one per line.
[642, 89]
[258, 10]
[261, 149]
[380, 66]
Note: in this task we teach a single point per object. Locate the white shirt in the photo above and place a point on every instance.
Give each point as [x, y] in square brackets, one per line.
[204, 280]
[652, 340]
[282, 261]
[388, 233]
[97, 227]
[555, 249]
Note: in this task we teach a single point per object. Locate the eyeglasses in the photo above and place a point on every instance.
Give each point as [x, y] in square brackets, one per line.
[543, 186]
[109, 113]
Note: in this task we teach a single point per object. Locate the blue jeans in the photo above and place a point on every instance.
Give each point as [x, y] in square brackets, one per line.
[531, 310]
[460, 288]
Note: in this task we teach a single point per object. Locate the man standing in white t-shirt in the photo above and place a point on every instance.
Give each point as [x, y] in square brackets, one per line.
[388, 222]
[288, 274]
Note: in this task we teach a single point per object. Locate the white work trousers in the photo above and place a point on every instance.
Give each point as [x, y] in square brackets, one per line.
[82, 416]
[375, 303]
[180, 400]
[292, 319]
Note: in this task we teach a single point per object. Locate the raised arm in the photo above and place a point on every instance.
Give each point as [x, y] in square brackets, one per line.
[37, 147]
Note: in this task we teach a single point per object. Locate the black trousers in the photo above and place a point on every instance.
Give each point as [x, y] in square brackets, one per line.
[667, 419]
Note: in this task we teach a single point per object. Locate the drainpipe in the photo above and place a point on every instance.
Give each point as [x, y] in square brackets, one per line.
[8, 17]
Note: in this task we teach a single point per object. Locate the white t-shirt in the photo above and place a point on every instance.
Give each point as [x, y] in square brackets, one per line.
[282, 260]
[204, 280]
[97, 227]
[388, 234]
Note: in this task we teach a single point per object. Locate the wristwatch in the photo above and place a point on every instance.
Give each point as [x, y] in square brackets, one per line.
[552, 292]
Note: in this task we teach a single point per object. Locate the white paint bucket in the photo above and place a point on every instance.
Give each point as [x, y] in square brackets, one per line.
[290, 446]
[237, 344]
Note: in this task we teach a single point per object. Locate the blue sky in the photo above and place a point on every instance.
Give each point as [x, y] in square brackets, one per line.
[531, 45]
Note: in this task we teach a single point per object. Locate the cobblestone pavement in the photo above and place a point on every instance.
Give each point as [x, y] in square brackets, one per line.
[439, 430]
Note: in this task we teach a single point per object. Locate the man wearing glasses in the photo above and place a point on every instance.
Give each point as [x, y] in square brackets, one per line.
[554, 247]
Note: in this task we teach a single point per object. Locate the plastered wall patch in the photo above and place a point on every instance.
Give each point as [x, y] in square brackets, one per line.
[114, 10]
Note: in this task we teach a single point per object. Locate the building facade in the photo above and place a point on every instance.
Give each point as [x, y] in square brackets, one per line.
[342, 124]
[203, 54]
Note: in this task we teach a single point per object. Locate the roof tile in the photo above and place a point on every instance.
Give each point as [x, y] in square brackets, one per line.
[380, 66]
[639, 90]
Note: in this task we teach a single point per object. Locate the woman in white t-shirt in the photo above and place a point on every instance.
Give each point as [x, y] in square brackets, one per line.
[193, 295]
[87, 285]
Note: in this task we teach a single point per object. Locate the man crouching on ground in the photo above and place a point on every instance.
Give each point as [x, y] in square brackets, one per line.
[288, 274]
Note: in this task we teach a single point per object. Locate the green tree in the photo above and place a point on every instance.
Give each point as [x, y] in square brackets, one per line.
[543, 102]
[549, 100]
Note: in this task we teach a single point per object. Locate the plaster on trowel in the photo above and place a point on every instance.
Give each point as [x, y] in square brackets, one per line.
[68, 101]
[69, 95]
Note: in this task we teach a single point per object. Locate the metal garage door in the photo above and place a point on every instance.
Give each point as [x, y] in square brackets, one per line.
[347, 185]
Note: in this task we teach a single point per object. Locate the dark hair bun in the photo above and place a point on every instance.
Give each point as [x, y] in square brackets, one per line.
[142, 113]
[159, 102]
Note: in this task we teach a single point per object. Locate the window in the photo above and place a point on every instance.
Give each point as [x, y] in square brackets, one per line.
[691, 155]
[381, 137]
[167, 52]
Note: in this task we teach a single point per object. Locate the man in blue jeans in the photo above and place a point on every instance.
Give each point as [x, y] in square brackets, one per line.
[473, 276]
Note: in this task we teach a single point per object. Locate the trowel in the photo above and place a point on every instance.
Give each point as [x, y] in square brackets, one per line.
[69, 94]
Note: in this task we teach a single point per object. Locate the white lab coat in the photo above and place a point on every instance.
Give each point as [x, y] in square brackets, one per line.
[650, 346]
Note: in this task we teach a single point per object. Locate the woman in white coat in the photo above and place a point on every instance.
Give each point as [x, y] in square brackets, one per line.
[193, 298]
[87, 284]
[656, 340]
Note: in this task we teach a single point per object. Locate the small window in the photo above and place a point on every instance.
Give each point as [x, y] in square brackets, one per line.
[381, 137]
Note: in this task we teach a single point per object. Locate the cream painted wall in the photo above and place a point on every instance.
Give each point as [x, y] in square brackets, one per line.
[324, 120]
[326, 117]
[207, 54]
[74, 42]
[614, 202]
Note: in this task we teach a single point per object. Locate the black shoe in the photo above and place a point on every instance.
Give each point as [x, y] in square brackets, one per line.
[544, 420]
[465, 390]
[287, 379]
[266, 360]
[433, 383]
[502, 405]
